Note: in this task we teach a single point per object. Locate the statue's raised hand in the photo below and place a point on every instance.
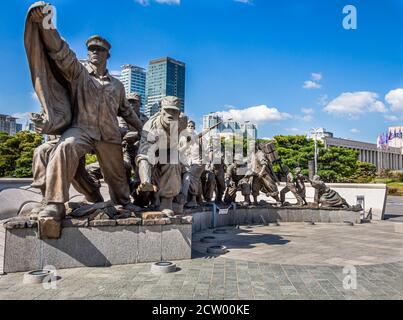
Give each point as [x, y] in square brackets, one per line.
[37, 14]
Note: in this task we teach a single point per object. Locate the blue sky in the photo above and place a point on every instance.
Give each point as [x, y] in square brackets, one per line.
[288, 65]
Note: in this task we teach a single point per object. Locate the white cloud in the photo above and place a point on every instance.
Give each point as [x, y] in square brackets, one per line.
[308, 110]
[353, 104]
[316, 76]
[143, 2]
[354, 130]
[244, 1]
[175, 2]
[256, 114]
[306, 118]
[391, 118]
[169, 2]
[309, 84]
[323, 100]
[292, 129]
[314, 82]
[395, 99]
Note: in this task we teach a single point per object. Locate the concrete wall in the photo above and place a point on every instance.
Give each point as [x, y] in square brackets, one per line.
[95, 247]
[8, 183]
[375, 196]
[250, 216]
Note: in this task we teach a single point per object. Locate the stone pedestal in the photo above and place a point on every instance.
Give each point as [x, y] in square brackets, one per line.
[127, 241]
[204, 219]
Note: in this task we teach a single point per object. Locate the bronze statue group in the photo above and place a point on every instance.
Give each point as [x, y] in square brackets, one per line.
[154, 163]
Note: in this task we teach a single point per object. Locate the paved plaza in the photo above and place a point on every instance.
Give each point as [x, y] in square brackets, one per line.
[290, 261]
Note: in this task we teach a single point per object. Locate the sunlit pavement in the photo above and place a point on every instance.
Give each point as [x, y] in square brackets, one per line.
[290, 261]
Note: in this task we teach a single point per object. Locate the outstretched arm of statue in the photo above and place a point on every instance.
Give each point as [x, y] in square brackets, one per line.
[57, 48]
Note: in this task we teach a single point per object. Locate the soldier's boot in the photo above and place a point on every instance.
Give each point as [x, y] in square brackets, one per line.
[181, 198]
[35, 212]
[300, 201]
[56, 211]
[247, 200]
[282, 196]
[192, 203]
[255, 202]
[165, 204]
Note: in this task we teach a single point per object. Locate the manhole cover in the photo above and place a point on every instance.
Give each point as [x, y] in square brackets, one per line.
[208, 239]
[163, 267]
[36, 277]
[217, 250]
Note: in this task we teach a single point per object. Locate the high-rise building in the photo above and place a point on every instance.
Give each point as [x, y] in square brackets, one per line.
[8, 124]
[229, 127]
[165, 77]
[211, 120]
[18, 127]
[134, 80]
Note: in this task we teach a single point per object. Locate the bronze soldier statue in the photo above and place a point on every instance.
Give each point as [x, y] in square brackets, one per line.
[300, 184]
[213, 181]
[189, 149]
[130, 146]
[238, 177]
[290, 187]
[264, 178]
[96, 100]
[159, 168]
[326, 197]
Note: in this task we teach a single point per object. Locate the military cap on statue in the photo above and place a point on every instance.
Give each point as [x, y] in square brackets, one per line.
[98, 41]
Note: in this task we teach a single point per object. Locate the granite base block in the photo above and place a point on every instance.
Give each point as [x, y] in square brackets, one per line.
[95, 247]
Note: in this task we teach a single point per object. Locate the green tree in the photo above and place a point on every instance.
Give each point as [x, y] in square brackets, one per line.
[334, 164]
[337, 164]
[366, 172]
[16, 153]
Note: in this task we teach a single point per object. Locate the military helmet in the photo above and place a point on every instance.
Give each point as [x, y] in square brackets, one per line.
[171, 102]
[133, 96]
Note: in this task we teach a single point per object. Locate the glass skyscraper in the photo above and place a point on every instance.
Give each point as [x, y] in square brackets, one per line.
[165, 77]
[134, 80]
[8, 124]
[229, 127]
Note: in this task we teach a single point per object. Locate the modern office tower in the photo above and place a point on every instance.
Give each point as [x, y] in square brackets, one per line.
[211, 120]
[18, 127]
[8, 124]
[134, 80]
[229, 127]
[249, 129]
[165, 77]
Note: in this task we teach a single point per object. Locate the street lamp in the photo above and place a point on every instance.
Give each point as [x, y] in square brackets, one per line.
[315, 133]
